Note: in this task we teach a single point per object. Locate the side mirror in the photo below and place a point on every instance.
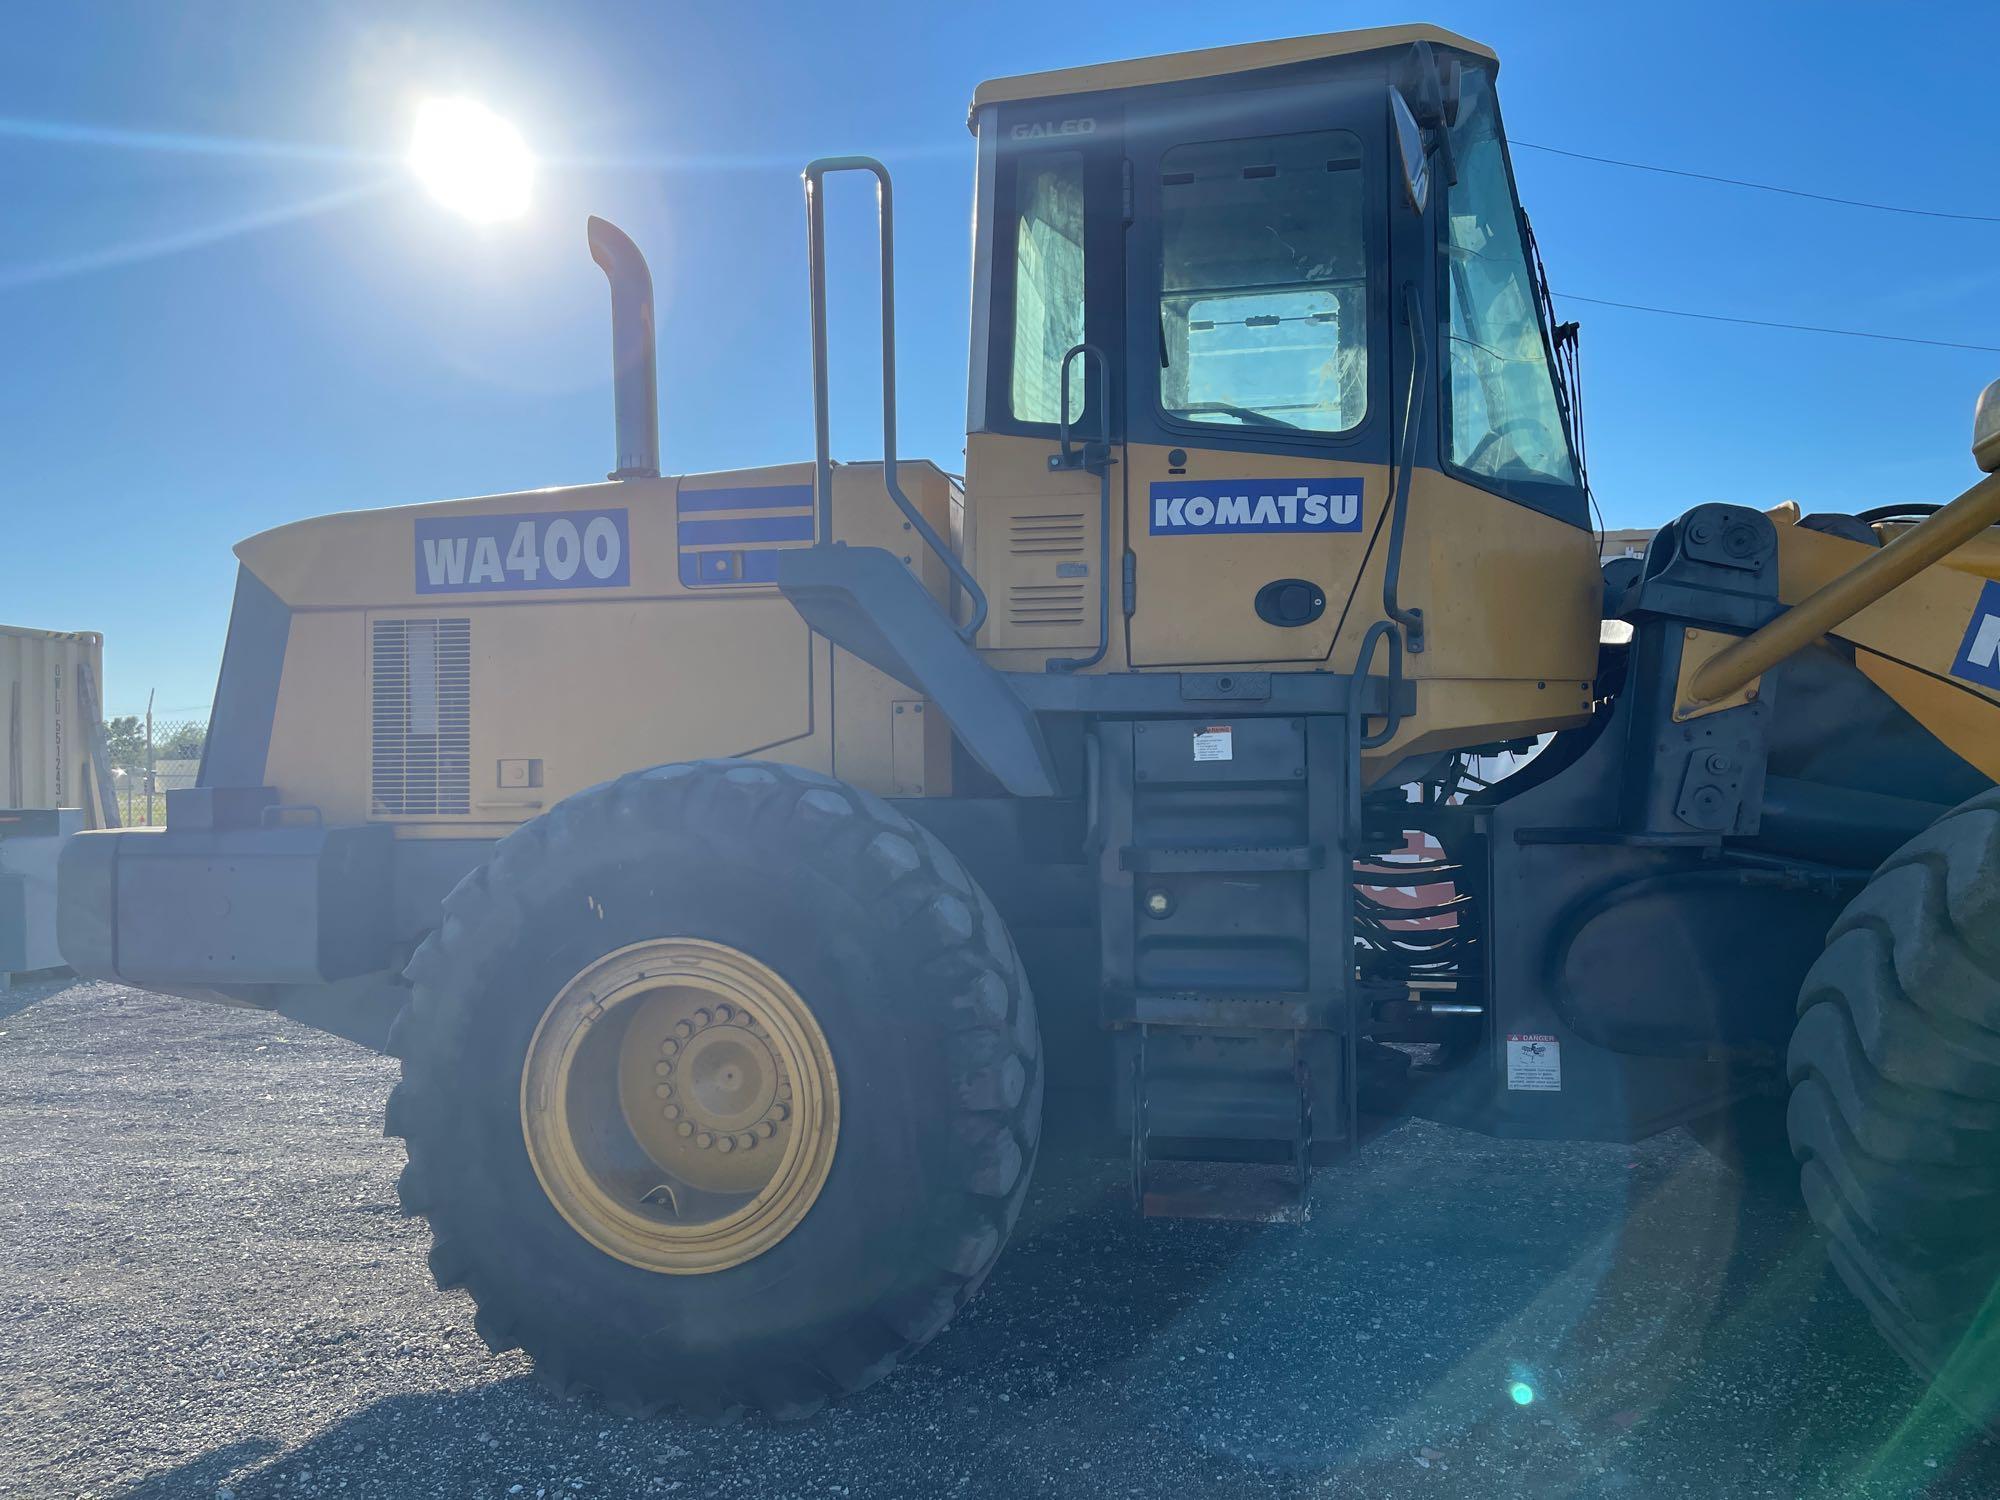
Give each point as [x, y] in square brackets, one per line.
[1416, 160]
[1986, 429]
[1450, 77]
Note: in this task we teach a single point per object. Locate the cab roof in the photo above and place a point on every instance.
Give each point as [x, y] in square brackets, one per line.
[1215, 62]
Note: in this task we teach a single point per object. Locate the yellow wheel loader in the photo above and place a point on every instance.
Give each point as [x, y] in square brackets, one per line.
[1249, 742]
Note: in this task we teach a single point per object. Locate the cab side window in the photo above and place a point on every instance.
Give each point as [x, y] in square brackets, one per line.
[1048, 285]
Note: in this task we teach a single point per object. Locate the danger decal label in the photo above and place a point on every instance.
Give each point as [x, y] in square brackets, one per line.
[570, 549]
[1978, 658]
[1214, 743]
[1214, 507]
[1534, 1062]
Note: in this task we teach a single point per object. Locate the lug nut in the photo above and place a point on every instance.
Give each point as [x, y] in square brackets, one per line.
[725, 1143]
[663, 1091]
[669, 1047]
[722, 1015]
[704, 1140]
[663, 1068]
[684, 1130]
[671, 1111]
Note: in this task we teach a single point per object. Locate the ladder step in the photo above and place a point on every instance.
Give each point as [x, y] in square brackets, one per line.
[1217, 861]
[1237, 1192]
[1276, 1010]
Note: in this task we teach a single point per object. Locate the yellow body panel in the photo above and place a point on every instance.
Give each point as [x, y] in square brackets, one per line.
[1980, 556]
[1967, 725]
[1511, 600]
[1196, 603]
[1032, 542]
[584, 684]
[1511, 597]
[1698, 648]
[1216, 62]
[1907, 640]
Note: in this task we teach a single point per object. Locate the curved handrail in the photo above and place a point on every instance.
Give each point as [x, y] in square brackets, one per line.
[815, 176]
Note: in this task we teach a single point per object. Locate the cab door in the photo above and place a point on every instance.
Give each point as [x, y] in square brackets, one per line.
[1257, 407]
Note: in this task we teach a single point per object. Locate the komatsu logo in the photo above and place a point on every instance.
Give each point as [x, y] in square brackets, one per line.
[1206, 507]
[1978, 657]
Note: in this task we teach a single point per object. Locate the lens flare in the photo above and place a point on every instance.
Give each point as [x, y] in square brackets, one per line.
[473, 162]
[1522, 1392]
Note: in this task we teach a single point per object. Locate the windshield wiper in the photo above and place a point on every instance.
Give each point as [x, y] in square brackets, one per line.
[1242, 414]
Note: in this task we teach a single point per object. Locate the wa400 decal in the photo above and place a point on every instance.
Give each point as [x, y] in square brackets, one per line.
[1219, 507]
[569, 549]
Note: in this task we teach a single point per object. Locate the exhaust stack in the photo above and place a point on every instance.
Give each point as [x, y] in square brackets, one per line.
[635, 381]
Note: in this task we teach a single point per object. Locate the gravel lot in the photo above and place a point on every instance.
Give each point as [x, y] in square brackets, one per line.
[207, 1290]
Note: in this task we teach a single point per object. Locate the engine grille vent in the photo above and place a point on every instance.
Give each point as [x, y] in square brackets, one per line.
[1045, 604]
[1053, 534]
[420, 674]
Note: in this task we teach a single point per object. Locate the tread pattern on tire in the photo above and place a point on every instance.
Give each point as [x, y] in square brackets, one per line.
[926, 901]
[1895, 1106]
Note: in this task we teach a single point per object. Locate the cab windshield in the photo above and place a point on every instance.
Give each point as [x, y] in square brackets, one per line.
[1505, 421]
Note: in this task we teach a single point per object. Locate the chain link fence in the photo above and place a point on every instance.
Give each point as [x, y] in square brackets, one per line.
[149, 758]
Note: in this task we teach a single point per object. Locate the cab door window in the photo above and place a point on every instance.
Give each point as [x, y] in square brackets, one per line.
[1263, 283]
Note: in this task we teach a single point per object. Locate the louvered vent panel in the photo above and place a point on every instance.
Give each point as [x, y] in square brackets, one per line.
[1054, 534]
[421, 679]
[1045, 604]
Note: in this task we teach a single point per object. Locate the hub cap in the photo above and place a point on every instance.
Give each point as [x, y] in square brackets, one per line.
[680, 1106]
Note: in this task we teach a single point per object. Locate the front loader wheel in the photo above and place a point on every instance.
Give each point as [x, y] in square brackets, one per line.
[721, 1089]
[1895, 1105]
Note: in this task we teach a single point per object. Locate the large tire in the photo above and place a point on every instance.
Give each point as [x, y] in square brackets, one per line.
[907, 971]
[1895, 1105]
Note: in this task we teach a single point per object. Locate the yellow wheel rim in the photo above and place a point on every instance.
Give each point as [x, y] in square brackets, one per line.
[680, 1106]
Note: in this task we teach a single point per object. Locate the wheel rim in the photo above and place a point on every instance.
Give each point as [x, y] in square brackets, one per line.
[680, 1106]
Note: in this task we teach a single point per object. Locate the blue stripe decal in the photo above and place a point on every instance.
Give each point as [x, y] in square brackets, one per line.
[1978, 658]
[763, 497]
[746, 529]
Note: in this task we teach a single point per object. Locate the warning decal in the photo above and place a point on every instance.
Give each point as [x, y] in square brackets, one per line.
[1534, 1062]
[1213, 743]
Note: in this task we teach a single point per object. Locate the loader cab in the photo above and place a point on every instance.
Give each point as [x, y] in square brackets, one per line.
[1231, 236]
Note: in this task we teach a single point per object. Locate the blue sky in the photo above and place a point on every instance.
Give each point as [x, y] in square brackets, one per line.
[257, 316]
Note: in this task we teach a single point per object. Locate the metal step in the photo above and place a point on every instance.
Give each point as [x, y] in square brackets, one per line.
[1241, 860]
[1253, 1160]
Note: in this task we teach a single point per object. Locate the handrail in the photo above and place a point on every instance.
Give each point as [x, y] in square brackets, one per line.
[1930, 540]
[1094, 454]
[815, 176]
[1412, 620]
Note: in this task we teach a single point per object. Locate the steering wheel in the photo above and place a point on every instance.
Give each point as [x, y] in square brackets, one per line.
[1505, 429]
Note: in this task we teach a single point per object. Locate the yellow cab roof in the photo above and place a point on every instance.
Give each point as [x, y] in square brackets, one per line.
[1215, 62]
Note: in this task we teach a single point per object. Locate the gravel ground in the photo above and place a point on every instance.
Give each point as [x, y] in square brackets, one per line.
[207, 1291]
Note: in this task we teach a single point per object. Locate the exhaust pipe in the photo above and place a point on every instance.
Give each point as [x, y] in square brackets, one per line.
[635, 381]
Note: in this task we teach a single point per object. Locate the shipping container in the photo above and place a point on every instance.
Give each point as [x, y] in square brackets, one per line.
[51, 707]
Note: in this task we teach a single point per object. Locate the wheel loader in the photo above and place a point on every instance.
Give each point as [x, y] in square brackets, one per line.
[1251, 743]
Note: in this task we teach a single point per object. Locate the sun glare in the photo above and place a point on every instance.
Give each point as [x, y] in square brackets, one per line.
[473, 161]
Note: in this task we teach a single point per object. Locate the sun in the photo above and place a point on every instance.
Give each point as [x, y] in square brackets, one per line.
[473, 162]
